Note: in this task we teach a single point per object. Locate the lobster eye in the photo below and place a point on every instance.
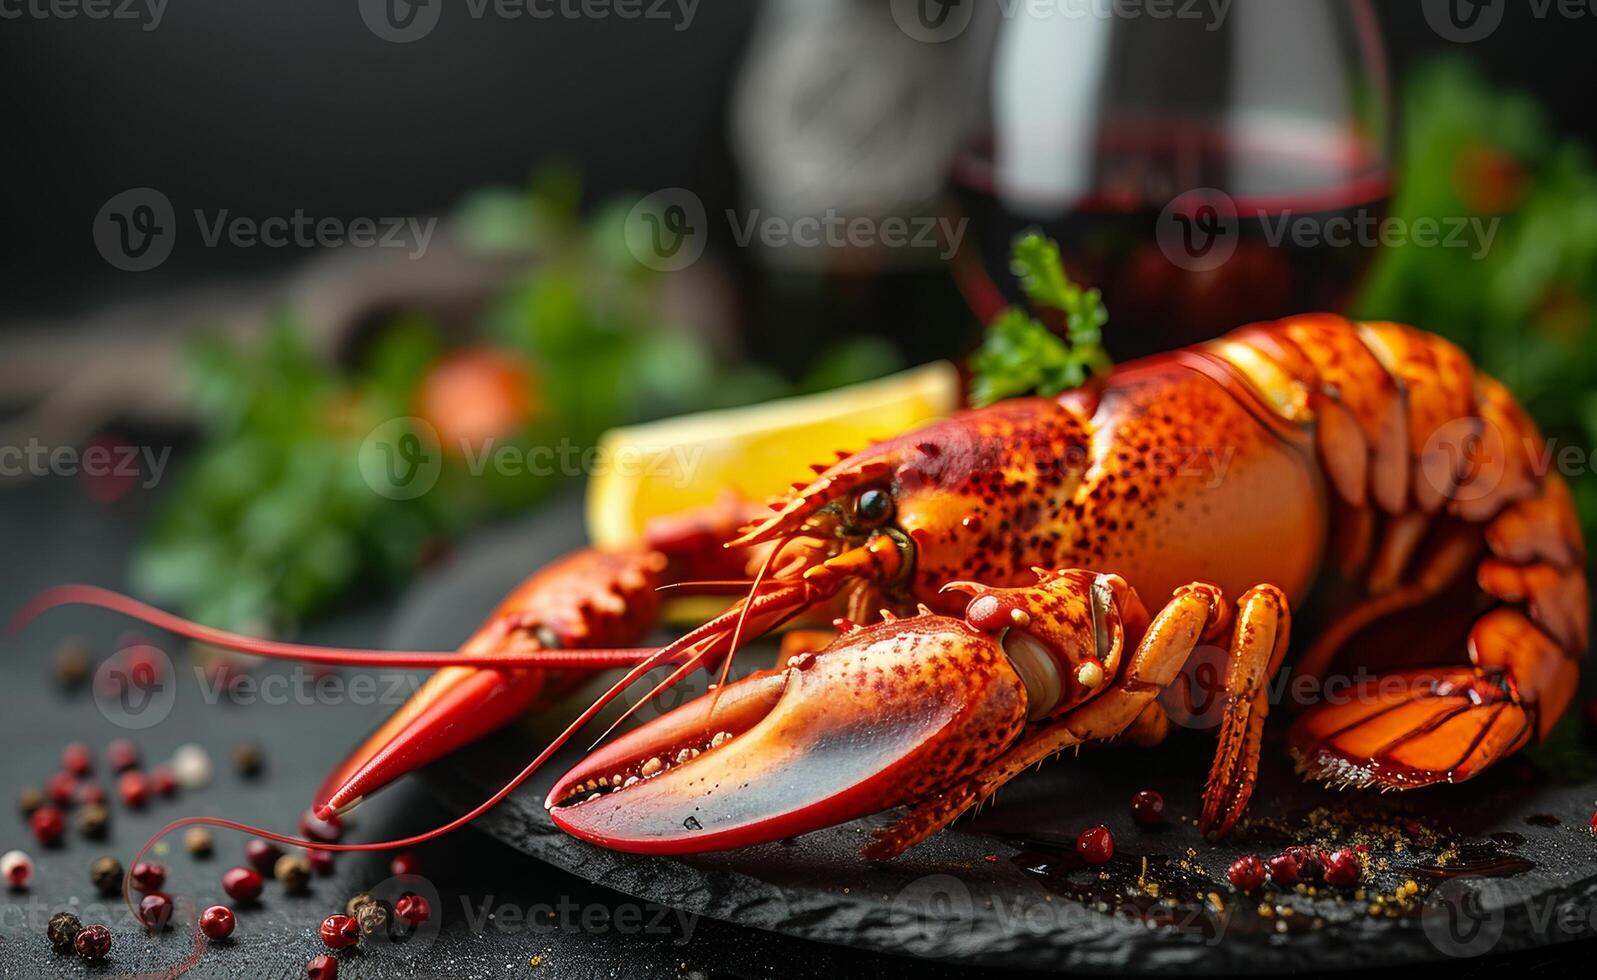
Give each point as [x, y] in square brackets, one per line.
[873, 507]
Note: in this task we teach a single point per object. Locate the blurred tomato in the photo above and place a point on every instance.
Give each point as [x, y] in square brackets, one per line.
[1488, 180]
[474, 395]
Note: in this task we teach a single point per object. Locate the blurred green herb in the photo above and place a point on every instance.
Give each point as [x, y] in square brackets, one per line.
[1524, 306]
[272, 520]
[1020, 354]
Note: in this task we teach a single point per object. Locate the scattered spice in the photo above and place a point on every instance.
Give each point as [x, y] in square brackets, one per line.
[163, 781]
[155, 911]
[61, 930]
[340, 931]
[94, 820]
[1343, 868]
[412, 909]
[322, 967]
[372, 916]
[352, 907]
[122, 754]
[134, 788]
[404, 863]
[93, 942]
[321, 861]
[191, 766]
[242, 884]
[47, 824]
[71, 663]
[77, 759]
[1147, 808]
[198, 842]
[1283, 870]
[90, 793]
[1096, 845]
[29, 799]
[62, 788]
[248, 759]
[1246, 873]
[217, 922]
[148, 876]
[262, 855]
[106, 874]
[294, 872]
[16, 868]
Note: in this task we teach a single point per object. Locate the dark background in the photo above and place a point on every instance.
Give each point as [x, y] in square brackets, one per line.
[267, 107]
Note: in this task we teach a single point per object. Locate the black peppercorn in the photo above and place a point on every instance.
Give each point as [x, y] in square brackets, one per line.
[352, 907]
[106, 873]
[63, 928]
[248, 760]
[198, 841]
[373, 917]
[94, 820]
[71, 663]
[294, 872]
[29, 799]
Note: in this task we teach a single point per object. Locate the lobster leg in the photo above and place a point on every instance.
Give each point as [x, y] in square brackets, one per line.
[1193, 613]
[1258, 646]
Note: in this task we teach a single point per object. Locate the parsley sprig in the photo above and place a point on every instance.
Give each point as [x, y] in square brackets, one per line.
[1020, 355]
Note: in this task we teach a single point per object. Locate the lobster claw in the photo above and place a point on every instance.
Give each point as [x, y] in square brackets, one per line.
[886, 715]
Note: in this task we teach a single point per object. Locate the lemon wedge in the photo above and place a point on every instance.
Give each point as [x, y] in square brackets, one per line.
[644, 471]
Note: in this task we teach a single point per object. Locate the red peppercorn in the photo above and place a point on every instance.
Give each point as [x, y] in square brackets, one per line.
[262, 855]
[48, 824]
[321, 861]
[242, 884]
[1246, 872]
[412, 909]
[163, 781]
[1310, 866]
[122, 754]
[322, 968]
[134, 788]
[77, 759]
[404, 863]
[1342, 868]
[148, 876]
[91, 794]
[340, 931]
[323, 831]
[155, 911]
[1147, 808]
[62, 788]
[1096, 845]
[217, 922]
[1283, 870]
[1594, 824]
[93, 942]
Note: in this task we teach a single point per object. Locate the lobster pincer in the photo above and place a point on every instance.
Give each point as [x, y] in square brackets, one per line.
[930, 712]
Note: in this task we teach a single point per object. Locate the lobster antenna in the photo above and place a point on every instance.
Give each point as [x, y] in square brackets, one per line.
[90, 595]
[743, 617]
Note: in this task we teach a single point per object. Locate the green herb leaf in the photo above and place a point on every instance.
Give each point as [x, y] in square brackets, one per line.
[1020, 355]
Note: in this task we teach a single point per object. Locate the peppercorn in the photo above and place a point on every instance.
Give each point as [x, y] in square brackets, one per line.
[106, 873]
[321, 861]
[372, 916]
[340, 931]
[403, 863]
[217, 922]
[1246, 872]
[163, 780]
[91, 792]
[1310, 867]
[134, 788]
[71, 663]
[63, 928]
[242, 884]
[148, 876]
[93, 942]
[248, 760]
[294, 872]
[412, 909]
[155, 911]
[1096, 845]
[262, 855]
[356, 901]
[1283, 870]
[122, 754]
[77, 759]
[94, 820]
[322, 967]
[48, 824]
[198, 842]
[29, 799]
[1147, 808]
[62, 788]
[1342, 868]
[191, 766]
[16, 868]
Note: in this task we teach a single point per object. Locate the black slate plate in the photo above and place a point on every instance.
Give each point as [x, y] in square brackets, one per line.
[1505, 862]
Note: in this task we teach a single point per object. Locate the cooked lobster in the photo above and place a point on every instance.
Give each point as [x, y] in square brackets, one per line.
[1006, 549]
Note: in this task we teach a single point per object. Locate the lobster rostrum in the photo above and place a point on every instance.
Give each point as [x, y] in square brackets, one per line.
[988, 569]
